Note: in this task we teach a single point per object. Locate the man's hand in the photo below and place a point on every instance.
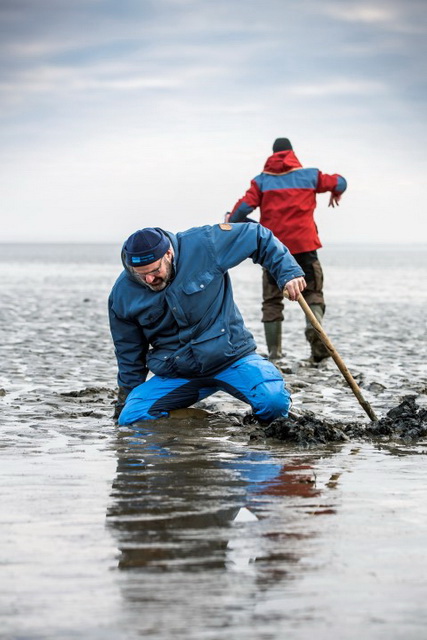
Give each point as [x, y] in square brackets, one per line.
[227, 216]
[334, 200]
[295, 287]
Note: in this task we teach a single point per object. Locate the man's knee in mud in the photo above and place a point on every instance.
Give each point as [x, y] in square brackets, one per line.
[273, 400]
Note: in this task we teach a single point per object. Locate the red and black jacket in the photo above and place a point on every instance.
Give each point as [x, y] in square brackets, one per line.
[286, 192]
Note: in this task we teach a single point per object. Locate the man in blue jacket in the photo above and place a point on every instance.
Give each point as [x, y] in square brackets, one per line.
[172, 312]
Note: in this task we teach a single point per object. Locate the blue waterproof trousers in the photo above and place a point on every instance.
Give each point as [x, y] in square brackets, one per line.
[252, 379]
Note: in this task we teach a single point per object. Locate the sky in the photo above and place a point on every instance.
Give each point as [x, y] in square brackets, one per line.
[121, 114]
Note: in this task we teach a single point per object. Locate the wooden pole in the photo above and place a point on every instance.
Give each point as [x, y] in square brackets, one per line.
[335, 356]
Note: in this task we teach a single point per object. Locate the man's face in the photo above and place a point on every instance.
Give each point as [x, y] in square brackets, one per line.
[156, 276]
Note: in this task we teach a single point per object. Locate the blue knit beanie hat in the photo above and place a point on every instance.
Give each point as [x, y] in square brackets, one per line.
[145, 246]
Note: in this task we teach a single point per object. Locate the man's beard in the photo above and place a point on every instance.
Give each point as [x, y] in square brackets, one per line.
[164, 281]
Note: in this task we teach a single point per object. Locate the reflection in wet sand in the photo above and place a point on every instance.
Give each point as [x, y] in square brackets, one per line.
[179, 496]
[171, 502]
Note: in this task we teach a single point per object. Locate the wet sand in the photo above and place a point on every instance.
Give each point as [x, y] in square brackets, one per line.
[192, 528]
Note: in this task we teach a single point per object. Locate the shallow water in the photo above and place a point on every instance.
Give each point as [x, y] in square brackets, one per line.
[185, 528]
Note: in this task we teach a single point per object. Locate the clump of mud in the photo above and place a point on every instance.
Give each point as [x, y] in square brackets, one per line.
[404, 423]
[95, 393]
[93, 402]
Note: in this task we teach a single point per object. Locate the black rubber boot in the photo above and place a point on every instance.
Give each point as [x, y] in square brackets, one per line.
[273, 338]
[318, 350]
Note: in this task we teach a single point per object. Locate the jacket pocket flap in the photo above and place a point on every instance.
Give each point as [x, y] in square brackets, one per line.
[198, 283]
[212, 333]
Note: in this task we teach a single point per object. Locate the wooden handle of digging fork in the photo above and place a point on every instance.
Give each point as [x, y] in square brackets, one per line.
[335, 356]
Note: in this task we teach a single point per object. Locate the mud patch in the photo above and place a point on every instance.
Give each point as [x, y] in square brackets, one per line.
[405, 423]
[92, 402]
[97, 394]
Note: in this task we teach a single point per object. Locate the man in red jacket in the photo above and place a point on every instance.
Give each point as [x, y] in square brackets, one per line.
[286, 192]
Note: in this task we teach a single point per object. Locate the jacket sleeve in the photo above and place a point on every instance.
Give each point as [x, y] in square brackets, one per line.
[252, 240]
[334, 183]
[131, 349]
[250, 201]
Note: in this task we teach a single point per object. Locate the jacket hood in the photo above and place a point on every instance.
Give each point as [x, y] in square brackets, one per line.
[174, 245]
[282, 162]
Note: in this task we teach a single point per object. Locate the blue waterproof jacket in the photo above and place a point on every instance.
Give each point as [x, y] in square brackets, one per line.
[192, 328]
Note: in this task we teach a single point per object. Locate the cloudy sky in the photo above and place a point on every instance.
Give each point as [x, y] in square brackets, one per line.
[120, 114]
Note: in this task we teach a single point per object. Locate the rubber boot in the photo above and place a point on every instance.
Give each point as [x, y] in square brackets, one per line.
[318, 350]
[273, 338]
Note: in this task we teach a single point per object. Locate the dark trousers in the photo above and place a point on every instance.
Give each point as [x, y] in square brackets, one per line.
[272, 296]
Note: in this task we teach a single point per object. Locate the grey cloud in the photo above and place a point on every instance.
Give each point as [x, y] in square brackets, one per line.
[221, 52]
[393, 15]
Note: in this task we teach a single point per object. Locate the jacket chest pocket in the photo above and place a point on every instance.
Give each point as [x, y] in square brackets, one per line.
[199, 283]
[201, 295]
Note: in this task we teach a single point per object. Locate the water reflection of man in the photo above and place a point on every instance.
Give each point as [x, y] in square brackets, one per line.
[177, 498]
[172, 312]
[168, 507]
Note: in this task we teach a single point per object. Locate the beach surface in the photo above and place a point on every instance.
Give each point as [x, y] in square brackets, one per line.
[190, 528]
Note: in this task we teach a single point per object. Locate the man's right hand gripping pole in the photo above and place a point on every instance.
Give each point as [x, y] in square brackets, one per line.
[294, 287]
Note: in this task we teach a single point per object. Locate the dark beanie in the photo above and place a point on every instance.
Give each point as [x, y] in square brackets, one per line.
[145, 246]
[282, 144]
